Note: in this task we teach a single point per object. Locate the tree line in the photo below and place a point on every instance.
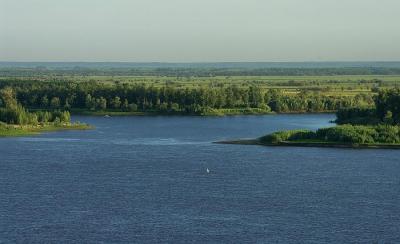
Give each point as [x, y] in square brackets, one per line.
[97, 96]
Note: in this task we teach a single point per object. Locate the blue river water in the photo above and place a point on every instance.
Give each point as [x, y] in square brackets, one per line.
[144, 180]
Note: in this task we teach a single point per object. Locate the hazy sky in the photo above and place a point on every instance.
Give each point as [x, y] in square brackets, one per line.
[199, 30]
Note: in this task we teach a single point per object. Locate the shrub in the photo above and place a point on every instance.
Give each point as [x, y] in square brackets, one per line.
[340, 134]
[357, 116]
[348, 134]
[387, 134]
[289, 135]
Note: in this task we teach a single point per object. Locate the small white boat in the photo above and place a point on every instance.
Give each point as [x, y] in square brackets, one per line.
[106, 116]
[208, 171]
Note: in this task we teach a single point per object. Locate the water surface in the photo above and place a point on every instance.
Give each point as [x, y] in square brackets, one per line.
[144, 180]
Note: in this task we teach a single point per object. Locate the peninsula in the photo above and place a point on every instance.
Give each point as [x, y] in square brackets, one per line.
[372, 127]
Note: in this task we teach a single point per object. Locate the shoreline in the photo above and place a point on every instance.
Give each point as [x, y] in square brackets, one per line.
[17, 130]
[212, 113]
[257, 142]
[149, 113]
[215, 113]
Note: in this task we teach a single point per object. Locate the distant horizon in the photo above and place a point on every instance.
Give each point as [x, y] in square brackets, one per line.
[201, 62]
[199, 65]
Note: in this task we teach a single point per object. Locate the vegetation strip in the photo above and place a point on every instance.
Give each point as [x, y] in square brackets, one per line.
[193, 95]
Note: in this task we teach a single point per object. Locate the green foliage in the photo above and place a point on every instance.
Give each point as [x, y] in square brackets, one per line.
[359, 134]
[15, 113]
[44, 102]
[90, 103]
[25, 130]
[15, 116]
[133, 107]
[386, 110]
[101, 103]
[383, 121]
[387, 134]
[172, 98]
[348, 134]
[125, 105]
[116, 102]
[357, 116]
[8, 98]
[55, 102]
[387, 104]
[288, 135]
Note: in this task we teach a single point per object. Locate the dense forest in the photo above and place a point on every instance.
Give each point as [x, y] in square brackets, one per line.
[12, 112]
[386, 110]
[15, 120]
[171, 99]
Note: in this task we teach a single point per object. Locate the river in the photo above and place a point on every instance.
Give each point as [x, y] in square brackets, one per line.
[144, 180]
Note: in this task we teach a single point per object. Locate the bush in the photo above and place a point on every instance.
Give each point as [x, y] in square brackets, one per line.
[387, 134]
[348, 134]
[289, 135]
[133, 107]
[357, 116]
[340, 134]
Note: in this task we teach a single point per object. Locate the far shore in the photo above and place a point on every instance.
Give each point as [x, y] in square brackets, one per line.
[218, 114]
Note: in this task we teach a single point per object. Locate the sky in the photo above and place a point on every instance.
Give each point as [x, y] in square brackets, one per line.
[199, 30]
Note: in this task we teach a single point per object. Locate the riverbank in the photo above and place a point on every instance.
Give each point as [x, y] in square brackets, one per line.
[312, 144]
[213, 112]
[7, 130]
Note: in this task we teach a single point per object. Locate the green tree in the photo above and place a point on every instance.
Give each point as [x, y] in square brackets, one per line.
[7, 95]
[55, 102]
[125, 105]
[116, 102]
[44, 102]
[101, 103]
[133, 107]
[90, 103]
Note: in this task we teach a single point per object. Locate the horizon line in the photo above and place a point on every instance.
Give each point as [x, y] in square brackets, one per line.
[201, 62]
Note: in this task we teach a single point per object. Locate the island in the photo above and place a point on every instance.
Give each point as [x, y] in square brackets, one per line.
[15, 120]
[370, 127]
